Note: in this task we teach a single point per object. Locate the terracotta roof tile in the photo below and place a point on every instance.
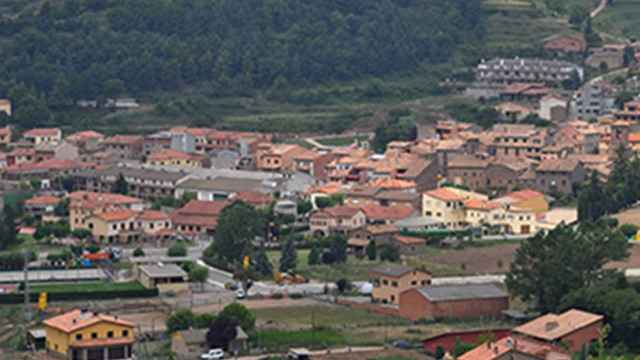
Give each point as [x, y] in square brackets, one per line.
[76, 319]
[116, 215]
[444, 194]
[43, 132]
[378, 212]
[341, 211]
[552, 327]
[43, 200]
[153, 215]
[409, 240]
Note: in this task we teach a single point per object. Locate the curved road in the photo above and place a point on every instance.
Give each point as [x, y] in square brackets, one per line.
[599, 9]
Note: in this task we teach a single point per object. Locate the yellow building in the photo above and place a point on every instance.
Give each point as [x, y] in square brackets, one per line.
[170, 157]
[84, 204]
[446, 205]
[85, 335]
[5, 106]
[50, 136]
[126, 225]
[391, 280]
[529, 200]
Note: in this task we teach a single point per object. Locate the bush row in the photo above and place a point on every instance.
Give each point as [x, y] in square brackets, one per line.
[74, 296]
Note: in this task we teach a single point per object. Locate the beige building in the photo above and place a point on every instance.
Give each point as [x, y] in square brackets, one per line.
[278, 157]
[125, 225]
[170, 157]
[5, 106]
[166, 278]
[43, 136]
[338, 219]
[85, 204]
[446, 205]
[389, 281]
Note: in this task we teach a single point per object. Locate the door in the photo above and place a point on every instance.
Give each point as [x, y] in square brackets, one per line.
[525, 229]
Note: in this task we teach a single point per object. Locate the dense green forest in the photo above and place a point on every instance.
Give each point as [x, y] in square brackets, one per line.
[63, 51]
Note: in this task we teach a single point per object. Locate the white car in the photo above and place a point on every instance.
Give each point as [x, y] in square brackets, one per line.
[240, 294]
[213, 354]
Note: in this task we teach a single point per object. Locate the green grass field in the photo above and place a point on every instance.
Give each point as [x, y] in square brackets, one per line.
[325, 316]
[282, 340]
[342, 141]
[86, 287]
[620, 19]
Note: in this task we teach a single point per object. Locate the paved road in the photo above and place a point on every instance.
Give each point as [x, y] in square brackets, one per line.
[194, 252]
[599, 9]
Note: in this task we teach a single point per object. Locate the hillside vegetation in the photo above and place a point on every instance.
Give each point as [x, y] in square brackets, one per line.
[79, 49]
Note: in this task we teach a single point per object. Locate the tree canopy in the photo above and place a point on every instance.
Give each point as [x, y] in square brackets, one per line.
[547, 267]
[79, 49]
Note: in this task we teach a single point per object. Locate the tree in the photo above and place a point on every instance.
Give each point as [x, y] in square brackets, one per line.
[338, 249]
[343, 285]
[546, 267]
[629, 230]
[399, 127]
[262, 263]
[199, 274]
[8, 228]
[439, 352]
[314, 255]
[372, 250]
[289, 257]
[578, 14]
[178, 249]
[238, 226]
[81, 234]
[246, 319]
[629, 56]
[62, 208]
[592, 200]
[304, 206]
[180, 320]
[222, 331]
[138, 252]
[573, 82]
[390, 253]
[121, 186]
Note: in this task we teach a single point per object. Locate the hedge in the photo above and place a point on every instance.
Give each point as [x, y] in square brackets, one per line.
[74, 296]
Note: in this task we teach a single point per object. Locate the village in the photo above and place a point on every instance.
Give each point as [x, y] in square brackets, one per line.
[445, 239]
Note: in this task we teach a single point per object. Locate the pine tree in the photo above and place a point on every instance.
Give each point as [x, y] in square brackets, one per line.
[592, 200]
[339, 249]
[289, 258]
[314, 255]
[262, 263]
[372, 250]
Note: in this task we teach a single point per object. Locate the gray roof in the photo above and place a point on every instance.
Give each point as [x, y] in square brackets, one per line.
[146, 174]
[168, 270]
[417, 221]
[159, 259]
[398, 195]
[462, 292]
[53, 275]
[391, 270]
[224, 185]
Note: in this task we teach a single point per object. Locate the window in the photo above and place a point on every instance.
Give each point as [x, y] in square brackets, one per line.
[414, 283]
[125, 333]
[394, 283]
[94, 335]
[78, 337]
[385, 282]
[109, 334]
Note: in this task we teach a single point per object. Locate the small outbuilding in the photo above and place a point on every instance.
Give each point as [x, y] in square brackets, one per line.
[453, 301]
[169, 277]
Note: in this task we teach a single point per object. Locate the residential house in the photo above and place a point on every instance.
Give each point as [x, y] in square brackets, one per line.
[514, 112]
[554, 108]
[126, 226]
[170, 157]
[379, 234]
[124, 147]
[609, 56]
[5, 106]
[278, 157]
[82, 334]
[21, 156]
[390, 281]
[446, 205]
[86, 140]
[575, 329]
[378, 214]
[453, 302]
[409, 245]
[158, 142]
[469, 171]
[566, 45]
[519, 141]
[449, 129]
[39, 206]
[527, 199]
[529, 92]
[504, 174]
[313, 163]
[511, 348]
[559, 176]
[198, 217]
[338, 219]
[6, 135]
[630, 111]
[83, 205]
[43, 136]
[48, 169]
[526, 70]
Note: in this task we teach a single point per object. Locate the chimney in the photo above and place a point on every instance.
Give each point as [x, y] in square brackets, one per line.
[551, 325]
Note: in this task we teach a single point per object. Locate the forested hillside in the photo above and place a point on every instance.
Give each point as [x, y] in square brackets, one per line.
[79, 49]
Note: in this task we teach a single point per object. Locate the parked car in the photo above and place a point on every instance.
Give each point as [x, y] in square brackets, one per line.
[299, 354]
[213, 354]
[240, 294]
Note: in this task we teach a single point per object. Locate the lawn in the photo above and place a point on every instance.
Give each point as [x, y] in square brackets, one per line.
[86, 287]
[342, 141]
[324, 316]
[282, 340]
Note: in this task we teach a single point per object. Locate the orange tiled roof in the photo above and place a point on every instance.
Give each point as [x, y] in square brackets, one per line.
[124, 140]
[341, 211]
[75, 320]
[43, 132]
[444, 194]
[409, 240]
[43, 200]
[378, 212]
[89, 200]
[551, 327]
[116, 215]
[480, 204]
[171, 154]
[634, 137]
[85, 135]
[498, 349]
[525, 194]
[254, 198]
[153, 215]
[393, 184]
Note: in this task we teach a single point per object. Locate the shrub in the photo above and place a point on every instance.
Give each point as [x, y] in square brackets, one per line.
[629, 230]
[277, 296]
[138, 252]
[296, 296]
[176, 250]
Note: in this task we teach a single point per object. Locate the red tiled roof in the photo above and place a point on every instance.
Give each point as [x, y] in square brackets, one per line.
[558, 165]
[85, 135]
[341, 211]
[153, 215]
[551, 327]
[409, 240]
[444, 194]
[43, 200]
[5, 130]
[116, 215]
[480, 204]
[198, 207]
[171, 154]
[43, 132]
[634, 137]
[498, 349]
[49, 165]
[388, 183]
[76, 319]
[525, 194]
[89, 200]
[378, 212]
[23, 152]
[254, 198]
[124, 140]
